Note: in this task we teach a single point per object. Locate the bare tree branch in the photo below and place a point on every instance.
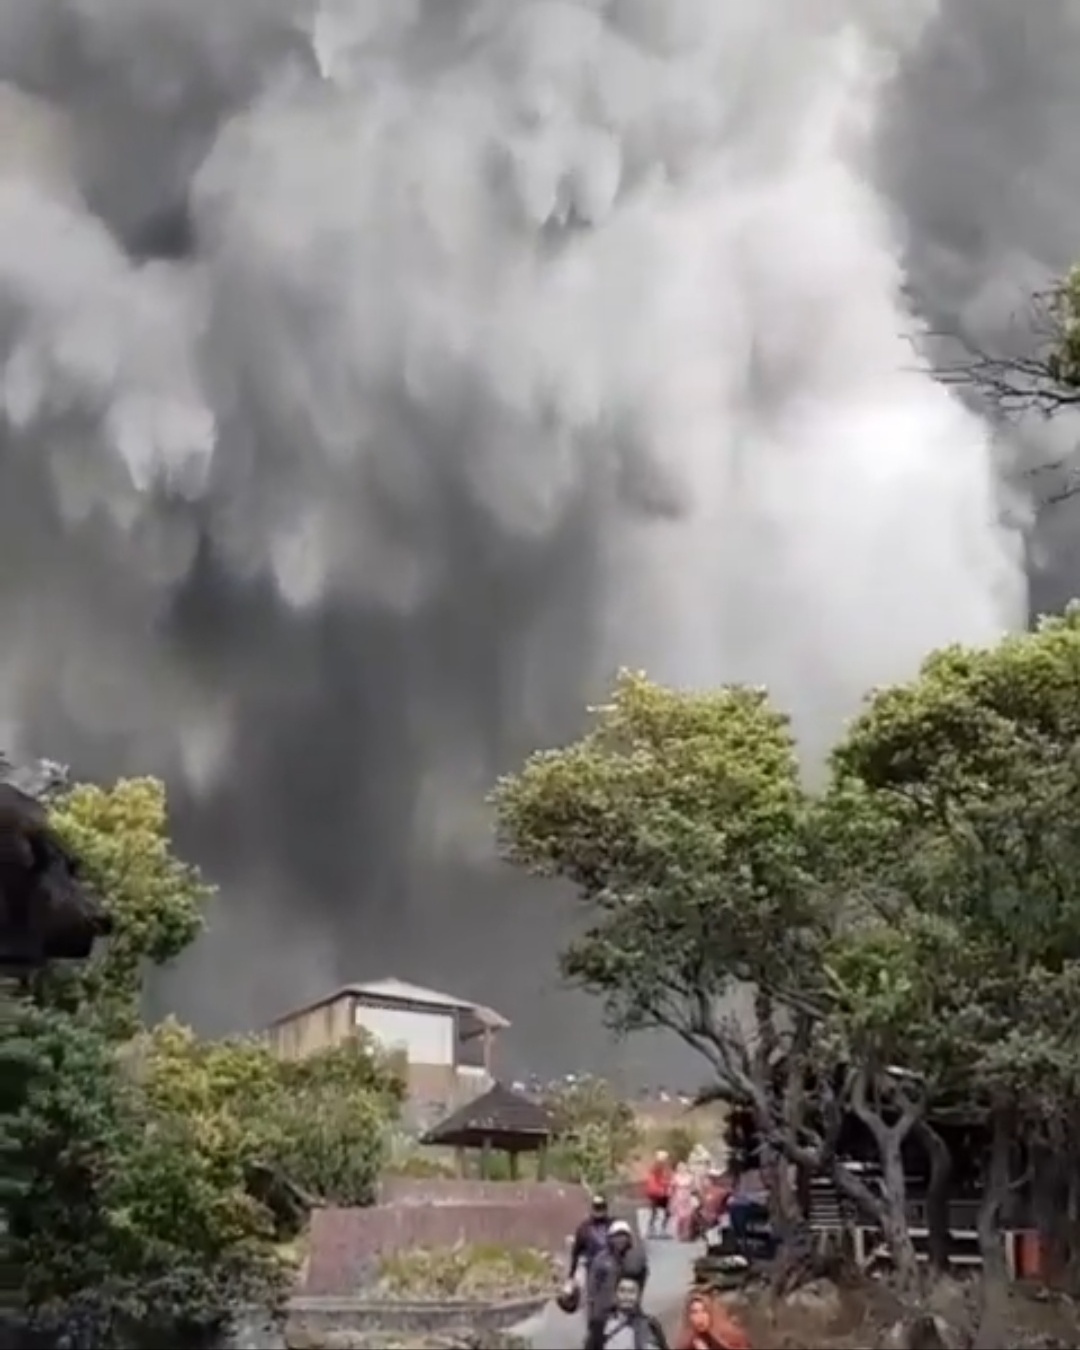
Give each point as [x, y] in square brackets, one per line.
[1036, 379]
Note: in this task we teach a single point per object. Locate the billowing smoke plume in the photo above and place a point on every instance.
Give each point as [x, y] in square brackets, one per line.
[378, 375]
[978, 152]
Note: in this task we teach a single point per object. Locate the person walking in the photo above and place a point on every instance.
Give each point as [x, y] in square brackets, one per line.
[707, 1325]
[658, 1183]
[590, 1239]
[683, 1201]
[623, 1258]
[627, 1326]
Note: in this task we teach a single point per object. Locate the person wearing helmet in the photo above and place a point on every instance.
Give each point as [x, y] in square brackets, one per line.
[622, 1258]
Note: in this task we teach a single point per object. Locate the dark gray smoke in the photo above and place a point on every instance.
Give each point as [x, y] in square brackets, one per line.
[978, 152]
[377, 375]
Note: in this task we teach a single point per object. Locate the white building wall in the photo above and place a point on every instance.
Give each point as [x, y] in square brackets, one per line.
[425, 1037]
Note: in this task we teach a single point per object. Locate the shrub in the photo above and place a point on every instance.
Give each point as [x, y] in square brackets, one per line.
[465, 1271]
[596, 1132]
[678, 1142]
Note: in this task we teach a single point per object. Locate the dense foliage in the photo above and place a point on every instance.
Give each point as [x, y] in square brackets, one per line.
[151, 1177]
[904, 938]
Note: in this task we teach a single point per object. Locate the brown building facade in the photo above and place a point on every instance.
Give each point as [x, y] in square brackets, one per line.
[447, 1043]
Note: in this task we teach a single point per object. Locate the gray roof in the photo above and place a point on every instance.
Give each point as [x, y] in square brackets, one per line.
[401, 991]
[498, 1114]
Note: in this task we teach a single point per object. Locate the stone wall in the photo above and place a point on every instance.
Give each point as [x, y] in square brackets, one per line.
[345, 1243]
[337, 1321]
[455, 1191]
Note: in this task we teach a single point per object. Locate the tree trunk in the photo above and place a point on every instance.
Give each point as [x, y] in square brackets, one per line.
[889, 1139]
[939, 1237]
[1051, 1173]
[1071, 1225]
[794, 1263]
[894, 1217]
[991, 1332]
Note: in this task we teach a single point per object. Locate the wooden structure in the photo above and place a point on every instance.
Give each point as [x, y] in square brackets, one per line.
[447, 1044]
[500, 1119]
[968, 1144]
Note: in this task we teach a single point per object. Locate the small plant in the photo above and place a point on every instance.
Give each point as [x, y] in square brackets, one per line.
[678, 1142]
[596, 1132]
[465, 1271]
[417, 1167]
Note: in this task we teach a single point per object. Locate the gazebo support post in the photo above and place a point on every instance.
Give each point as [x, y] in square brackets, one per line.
[485, 1158]
[542, 1161]
[513, 1164]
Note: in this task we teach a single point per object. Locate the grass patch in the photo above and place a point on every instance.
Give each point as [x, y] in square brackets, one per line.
[469, 1270]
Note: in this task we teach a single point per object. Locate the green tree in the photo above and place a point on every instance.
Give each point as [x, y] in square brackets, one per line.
[120, 836]
[333, 1141]
[968, 960]
[681, 822]
[127, 1212]
[596, 1133]
[356, 1065]
[129, 1223]
[323, 1123]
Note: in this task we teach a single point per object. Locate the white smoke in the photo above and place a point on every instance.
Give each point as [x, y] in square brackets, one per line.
[521, 259]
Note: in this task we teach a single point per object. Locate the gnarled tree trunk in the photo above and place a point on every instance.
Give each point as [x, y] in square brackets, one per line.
[992, 1329]
[889, 1139]
[939, 1237]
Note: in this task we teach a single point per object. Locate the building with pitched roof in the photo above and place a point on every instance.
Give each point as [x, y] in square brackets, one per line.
[448, 1043]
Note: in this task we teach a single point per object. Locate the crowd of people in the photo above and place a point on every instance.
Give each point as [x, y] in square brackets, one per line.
[688, 1199]
[609, 1268]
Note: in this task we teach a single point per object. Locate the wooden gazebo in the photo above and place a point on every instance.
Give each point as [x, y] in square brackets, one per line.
[499, 1119]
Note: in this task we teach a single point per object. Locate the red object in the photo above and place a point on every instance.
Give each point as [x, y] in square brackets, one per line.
[707, 1325]
[1029, 1257]
[715, 1195]
[658, 1181]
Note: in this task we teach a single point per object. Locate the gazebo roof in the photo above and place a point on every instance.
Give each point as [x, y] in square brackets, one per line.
[500, 1117]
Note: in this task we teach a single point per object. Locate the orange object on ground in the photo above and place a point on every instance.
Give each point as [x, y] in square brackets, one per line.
[707, 1325]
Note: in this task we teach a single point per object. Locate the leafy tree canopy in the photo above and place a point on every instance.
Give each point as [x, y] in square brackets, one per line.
[681, 821]
[971, 950]
[151, 1175]
[120, 836]
[916, 921]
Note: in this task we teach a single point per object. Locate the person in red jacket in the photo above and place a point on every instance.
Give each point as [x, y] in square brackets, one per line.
[658, 1183]
[707, 1325]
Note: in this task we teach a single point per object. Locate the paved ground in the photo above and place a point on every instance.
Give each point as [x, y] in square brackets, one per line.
[670, 1275]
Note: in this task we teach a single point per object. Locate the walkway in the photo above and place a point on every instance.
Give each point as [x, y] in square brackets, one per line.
[670, 1276]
